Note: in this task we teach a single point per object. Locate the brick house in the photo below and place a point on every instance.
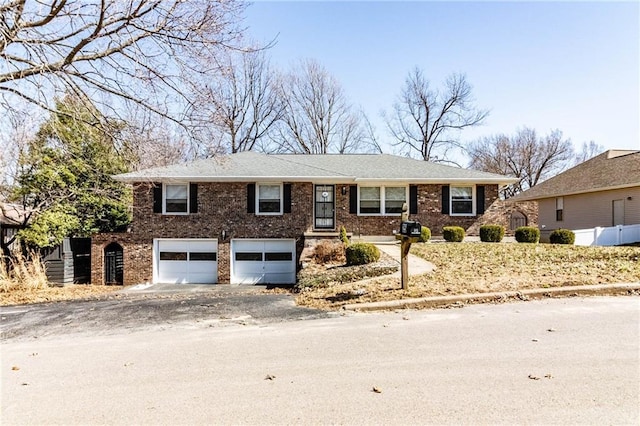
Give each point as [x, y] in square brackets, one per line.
[244, 218]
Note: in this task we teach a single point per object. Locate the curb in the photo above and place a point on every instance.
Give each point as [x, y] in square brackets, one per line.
[441, 301]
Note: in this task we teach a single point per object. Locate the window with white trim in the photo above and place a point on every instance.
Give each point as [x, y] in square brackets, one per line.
[559, 208]
[381, 200]
[269, 199]
[461, 200]
[176, 198]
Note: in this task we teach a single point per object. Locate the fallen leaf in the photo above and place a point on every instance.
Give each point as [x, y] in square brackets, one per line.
[376, 389]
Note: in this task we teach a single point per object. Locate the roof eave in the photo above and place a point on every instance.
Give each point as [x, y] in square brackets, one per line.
[478, 180]
[229, 179]
[566, 194]
[311, 179]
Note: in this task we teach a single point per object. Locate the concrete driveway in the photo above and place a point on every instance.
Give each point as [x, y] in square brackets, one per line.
[153, 307]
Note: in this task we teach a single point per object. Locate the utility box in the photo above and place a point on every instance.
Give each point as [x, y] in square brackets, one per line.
[411, 228]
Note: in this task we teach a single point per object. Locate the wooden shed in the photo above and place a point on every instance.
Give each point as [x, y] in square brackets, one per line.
[69, 262]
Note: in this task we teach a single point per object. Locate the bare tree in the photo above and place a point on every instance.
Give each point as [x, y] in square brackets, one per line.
[317, 117]
[426, 122]
[111, 51]
[371, 135]
[17, 129]
[589, 150]
[151, 141]
[524, 155]
[242, 104]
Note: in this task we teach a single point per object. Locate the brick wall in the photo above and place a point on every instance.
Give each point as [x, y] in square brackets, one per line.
[501, 212]
[430, 213]
[223, 207]
[137, 256]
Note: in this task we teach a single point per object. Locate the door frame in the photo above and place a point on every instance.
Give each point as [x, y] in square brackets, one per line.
[333, 202]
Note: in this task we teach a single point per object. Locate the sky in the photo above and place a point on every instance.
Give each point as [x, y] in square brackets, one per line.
[572, 66]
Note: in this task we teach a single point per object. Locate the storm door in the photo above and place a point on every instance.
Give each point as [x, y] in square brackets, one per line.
[113, 264]
[324, 210]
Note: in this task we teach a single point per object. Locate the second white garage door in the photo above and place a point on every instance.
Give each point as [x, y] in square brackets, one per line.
[263, 261]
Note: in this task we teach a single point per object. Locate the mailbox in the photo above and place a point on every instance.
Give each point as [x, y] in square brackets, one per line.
[410, 229]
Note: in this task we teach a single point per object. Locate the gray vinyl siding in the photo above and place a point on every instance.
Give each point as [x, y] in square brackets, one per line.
[584, 211]
[60, 264]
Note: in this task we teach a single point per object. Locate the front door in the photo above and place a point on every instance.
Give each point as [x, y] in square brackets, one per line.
[324, 210]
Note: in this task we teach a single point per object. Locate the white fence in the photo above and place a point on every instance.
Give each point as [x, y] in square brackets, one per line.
[612, 236]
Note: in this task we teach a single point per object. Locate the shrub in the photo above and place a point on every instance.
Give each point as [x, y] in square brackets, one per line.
[527, 234]
[327, 251]
[425, 235]
[453, 234]
[343, 236]
[491, 233]
[562, 236]
[362, 253]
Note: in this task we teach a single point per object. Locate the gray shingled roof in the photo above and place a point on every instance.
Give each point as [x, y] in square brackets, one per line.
[252, 166]
[11, 214]
[609, 170]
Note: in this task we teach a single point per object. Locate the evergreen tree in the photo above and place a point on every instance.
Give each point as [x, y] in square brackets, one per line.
[64, 179]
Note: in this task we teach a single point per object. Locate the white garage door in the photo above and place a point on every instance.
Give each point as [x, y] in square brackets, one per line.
[187, 261]
[263, 261]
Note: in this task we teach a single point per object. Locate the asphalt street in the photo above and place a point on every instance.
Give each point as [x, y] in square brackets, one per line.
[555, 361]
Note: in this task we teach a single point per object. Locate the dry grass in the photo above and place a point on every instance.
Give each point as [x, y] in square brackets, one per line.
[487, 267]
[23, 274]
[25, 281]
[56, 294]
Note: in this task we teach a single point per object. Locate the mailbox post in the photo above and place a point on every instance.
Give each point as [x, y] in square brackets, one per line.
[409, 233]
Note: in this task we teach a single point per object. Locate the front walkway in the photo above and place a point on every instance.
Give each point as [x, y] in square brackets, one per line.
[417, 265]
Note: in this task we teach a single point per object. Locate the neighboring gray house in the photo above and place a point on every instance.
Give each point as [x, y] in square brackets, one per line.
[67, 263]
[245, 217]
[11, 220]
[601, 192]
